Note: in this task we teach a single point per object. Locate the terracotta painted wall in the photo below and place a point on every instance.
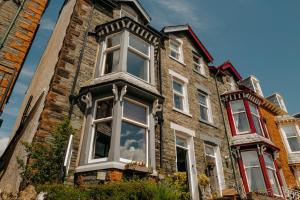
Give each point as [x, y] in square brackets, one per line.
[275, 136]
[15, 47]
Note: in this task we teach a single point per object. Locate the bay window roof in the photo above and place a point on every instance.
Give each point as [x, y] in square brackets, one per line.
[146, 33]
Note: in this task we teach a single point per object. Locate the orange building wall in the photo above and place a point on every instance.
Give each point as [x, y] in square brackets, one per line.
[17, 44]
[277, 140]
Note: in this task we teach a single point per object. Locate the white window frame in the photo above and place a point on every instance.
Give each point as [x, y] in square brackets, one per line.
[287, 144]
[93, 124]
[257, 115]
[124, 47]
[236, 129]
[139, 124]
[232, 84]
[207, 106]
[276, 178]
[256, 86]
[199, 65]
[219, 166]
[179, 78]
[178, 43]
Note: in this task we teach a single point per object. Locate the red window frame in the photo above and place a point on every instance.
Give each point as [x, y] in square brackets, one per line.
[264, 172]
[252, 130]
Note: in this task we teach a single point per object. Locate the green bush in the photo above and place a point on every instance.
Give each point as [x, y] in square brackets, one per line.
[124, 190]
[46, 159]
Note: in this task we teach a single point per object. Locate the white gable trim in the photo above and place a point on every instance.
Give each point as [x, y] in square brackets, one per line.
[139, 6]
[182, 129]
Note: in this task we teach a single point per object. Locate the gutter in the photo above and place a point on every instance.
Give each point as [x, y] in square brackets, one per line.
[226, 132]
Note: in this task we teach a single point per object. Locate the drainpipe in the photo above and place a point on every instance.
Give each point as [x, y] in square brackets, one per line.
[161, 117]
[226, 132]
[12, 24]
[72, 95]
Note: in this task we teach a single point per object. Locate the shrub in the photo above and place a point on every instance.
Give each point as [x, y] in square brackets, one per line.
[46, 159]
[124, 190]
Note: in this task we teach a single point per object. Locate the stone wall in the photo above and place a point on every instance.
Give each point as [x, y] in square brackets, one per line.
[18, 41]
[214, 130]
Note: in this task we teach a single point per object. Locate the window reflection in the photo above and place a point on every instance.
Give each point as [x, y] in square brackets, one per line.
[133, 142]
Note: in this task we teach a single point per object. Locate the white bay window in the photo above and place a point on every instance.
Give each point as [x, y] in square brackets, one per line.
[126, 52]
[102, 130]
[134, 132]
[256, 119]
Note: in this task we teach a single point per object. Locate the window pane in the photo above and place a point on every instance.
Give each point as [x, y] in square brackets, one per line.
[255, 179]
[237, 106]
[174, 46]
[290, 131]
[133, 142]
[294, 144]
[135, 112]
[253, 108]
[250, 158]
[113, 41]
[104, 109]
[269, 160]
[137, 66]
[202, 99]
[241, 122]
[203, 113]
[177, 87]
[139, 44]
[273, 181]
[256, 121]
[112, 61]
[174, 54]
[102, 139]
[181, 142]
[178, 102]
[253, 171]
[209, 150]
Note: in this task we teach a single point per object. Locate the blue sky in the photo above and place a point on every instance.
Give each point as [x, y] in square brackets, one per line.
[259, 37]
[11, 110]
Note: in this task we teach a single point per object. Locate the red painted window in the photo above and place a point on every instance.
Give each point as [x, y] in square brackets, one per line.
[260, 173]
[245, 118]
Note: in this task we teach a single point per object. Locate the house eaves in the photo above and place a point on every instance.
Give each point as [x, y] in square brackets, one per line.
[189, 30]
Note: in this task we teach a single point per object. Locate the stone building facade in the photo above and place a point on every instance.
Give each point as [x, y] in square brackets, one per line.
[138, 97]
[18, 23]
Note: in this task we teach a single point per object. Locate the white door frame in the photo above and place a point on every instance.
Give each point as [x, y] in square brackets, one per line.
[188, 134]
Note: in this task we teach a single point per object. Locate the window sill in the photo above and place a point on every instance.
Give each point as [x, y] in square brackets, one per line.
[99, 166]
[182, 112]
[179, 61]
[199, 73]
[208, 123]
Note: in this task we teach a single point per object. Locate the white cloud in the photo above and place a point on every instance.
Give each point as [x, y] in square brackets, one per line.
[27, 72]
[3, 144]
[47, 24]
[180, 12]
[20, 88]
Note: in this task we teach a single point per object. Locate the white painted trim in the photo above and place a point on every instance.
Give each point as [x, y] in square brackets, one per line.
[99, 166]
[179, 76]
[286, 142]
[182, 129]
[169, 29]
